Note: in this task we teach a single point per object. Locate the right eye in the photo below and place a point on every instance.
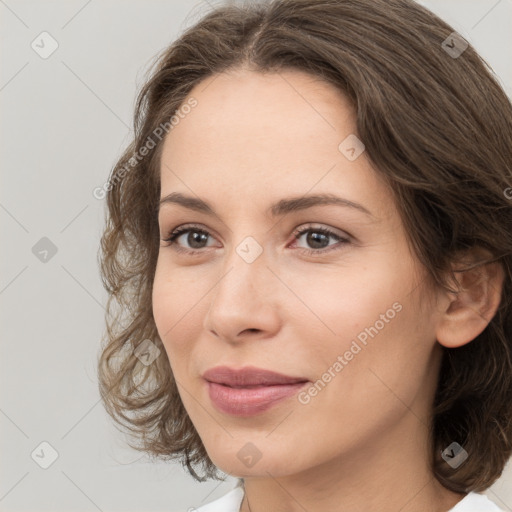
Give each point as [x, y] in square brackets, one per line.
[200, 236]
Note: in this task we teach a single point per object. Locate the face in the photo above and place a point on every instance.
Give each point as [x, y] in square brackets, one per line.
[329, 293]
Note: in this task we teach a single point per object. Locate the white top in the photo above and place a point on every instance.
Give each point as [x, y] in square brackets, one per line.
[231, 501]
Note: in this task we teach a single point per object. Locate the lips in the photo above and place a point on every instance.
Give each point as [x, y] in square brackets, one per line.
[249, 390]
[248, 376]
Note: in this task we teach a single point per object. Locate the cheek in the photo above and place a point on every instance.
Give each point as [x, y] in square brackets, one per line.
[360, 303]
[172, 295]
[169, 311]
[385, 361]
[179, 303]
[163, 302]
[378, 331]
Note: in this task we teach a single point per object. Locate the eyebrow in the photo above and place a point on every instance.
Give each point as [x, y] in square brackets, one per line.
[282, 207]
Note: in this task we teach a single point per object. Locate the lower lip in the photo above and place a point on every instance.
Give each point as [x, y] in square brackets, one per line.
[250, 401]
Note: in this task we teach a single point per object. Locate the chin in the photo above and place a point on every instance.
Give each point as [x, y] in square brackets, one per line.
[249, 461]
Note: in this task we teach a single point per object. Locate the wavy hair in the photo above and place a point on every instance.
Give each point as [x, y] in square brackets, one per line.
[436, 125]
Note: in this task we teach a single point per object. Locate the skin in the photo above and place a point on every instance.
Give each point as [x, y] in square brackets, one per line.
[362, 442]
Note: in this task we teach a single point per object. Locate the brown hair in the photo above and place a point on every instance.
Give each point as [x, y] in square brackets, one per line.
[437, 126]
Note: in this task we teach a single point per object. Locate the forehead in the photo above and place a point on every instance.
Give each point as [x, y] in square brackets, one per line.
[253, 135]
[241, 103]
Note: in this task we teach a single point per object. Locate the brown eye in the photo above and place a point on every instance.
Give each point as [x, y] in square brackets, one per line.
[195, 238]
[318, 239]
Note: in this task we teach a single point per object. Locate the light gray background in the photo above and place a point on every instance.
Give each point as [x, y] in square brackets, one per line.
[65, 121]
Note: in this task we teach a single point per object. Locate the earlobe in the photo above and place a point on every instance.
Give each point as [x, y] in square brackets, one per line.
[469, 311]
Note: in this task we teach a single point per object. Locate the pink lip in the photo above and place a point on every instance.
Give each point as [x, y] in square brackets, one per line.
[249, 401]
[249, 390]
[248, 376]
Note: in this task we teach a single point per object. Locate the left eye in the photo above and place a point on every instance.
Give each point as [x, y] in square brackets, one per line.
[316, 237]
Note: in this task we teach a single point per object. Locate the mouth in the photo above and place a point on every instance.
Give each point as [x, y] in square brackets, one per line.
[250, 400]
[249, 391]
[249, 377]
[257, 386]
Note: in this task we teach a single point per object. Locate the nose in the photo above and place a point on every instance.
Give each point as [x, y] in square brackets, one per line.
[244, 300]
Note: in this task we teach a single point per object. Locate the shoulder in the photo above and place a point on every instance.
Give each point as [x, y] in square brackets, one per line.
[229, 502]
[476, 502]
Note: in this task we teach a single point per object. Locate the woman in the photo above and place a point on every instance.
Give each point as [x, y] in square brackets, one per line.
[343, 338]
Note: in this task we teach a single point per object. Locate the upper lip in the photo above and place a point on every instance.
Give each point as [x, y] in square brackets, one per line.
[248, 376]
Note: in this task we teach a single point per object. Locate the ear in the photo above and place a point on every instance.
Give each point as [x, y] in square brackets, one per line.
[467, 313]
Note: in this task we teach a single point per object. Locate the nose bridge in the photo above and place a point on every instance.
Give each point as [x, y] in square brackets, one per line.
[244, 269]
[242, 298]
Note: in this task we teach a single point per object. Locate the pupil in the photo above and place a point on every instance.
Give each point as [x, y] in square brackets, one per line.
[313, 238]
[195, 235]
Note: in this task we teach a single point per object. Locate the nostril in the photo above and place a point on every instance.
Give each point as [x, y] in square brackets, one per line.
[251, 330]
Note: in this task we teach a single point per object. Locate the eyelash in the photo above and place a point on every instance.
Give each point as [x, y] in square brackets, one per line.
[171, 239]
